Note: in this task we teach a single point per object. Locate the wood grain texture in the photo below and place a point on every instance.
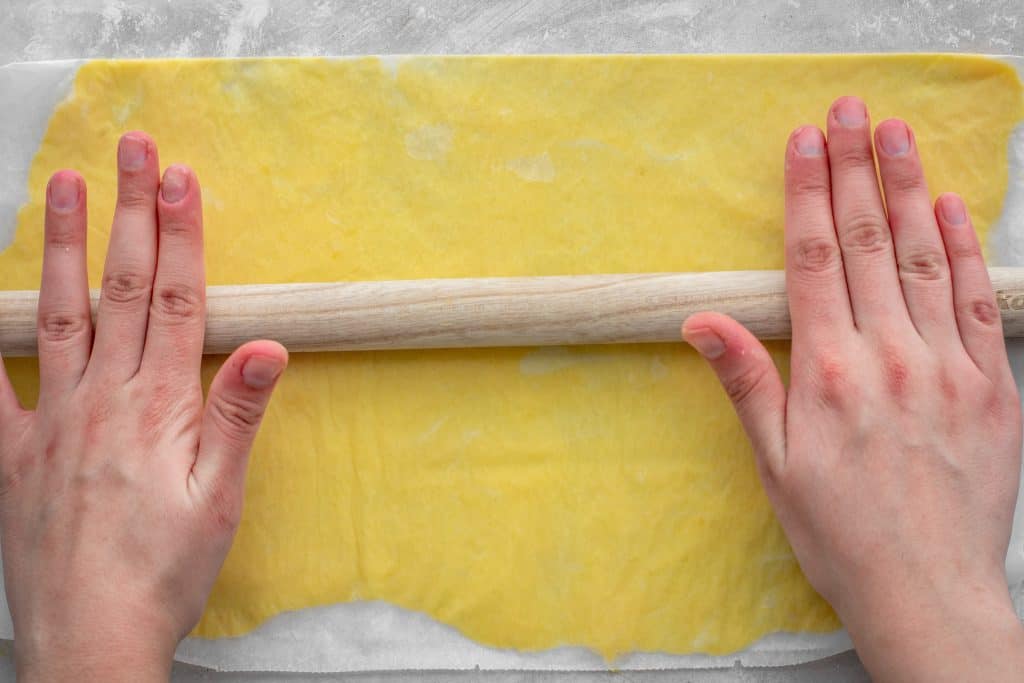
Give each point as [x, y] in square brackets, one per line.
[518, 311]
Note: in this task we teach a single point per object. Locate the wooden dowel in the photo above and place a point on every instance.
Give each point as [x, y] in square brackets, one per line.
[518, 311]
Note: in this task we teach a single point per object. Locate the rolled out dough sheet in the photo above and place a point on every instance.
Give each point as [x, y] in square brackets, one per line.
[601, 497]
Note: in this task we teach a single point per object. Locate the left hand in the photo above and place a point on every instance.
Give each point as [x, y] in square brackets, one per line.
[120, 494]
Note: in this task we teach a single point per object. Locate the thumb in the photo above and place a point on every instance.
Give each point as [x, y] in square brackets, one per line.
[238, 397]
[9, 405]
[750, 379]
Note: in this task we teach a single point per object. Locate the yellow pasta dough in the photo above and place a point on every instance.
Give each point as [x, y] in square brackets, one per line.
[530, 498]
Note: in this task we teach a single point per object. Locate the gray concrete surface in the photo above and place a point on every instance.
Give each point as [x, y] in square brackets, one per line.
[51, 29]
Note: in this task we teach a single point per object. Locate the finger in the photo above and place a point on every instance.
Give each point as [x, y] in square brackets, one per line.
[750, 379]
[977, 316]
[65, 319]
[864, 236]
[11, 412]
[819, 304]
[920, 255]
[237, 401]
[131, 260]
[10, 406]
[174, 338]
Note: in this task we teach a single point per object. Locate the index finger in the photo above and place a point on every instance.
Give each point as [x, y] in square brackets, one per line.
[819, 302]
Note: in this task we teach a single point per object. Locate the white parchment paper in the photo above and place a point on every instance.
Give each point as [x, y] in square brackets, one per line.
[378, 636]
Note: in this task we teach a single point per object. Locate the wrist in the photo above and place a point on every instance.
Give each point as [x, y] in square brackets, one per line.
[941, 634]
[104, 664]
[82, 655]
[101, 667]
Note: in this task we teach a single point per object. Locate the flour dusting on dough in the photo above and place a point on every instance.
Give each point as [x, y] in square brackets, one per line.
[547, 359]
[666, 156]
[658, 368]
[122, 113]
[429, 143]
[432, 430]
[538, 169]
[390, 64]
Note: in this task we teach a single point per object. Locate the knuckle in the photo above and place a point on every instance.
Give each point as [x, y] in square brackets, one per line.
[136, 198]
[830, 378]
[1001, 403]
[58, 327]
[929, 265]
[63, 236]
[743, 385]
[908, 181]
[853, 156]
[866, 232]
[176, 226]
[98, 415]
[816, 255]
[981, 310]
[126, 287]
[164, 402]
[895, 372]
[810, 185]
[948, 385]
[177, 303]
[967, 250]
[237, 416]
[225, 506]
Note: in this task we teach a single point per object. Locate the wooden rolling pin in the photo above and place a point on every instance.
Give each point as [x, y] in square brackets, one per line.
[517, 311]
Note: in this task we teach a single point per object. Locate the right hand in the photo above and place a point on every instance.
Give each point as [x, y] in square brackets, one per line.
[894, 458]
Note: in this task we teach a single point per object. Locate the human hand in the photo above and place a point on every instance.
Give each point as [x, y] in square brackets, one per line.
[120, 494]
[893, 460]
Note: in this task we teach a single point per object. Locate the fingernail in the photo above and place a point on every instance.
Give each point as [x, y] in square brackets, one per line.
[707, 343]
[850, 113]
[953, 211]
[131, 153]
[174, 185]
[64, 191]
[809, 142]
[259, 372]
[894, 137]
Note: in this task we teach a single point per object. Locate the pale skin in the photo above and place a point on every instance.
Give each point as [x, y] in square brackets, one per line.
[892, 459]
[120, 494]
